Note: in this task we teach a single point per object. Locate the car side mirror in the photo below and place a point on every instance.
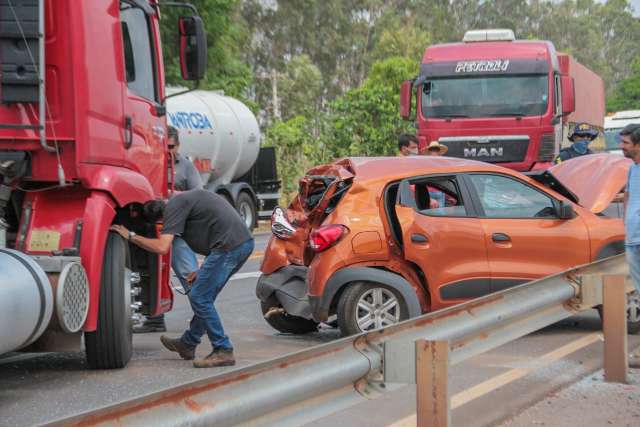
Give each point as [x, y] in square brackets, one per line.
[193, 47]
[568, 95]
[565, 211]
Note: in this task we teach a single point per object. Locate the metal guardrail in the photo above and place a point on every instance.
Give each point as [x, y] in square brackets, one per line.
[309, 384]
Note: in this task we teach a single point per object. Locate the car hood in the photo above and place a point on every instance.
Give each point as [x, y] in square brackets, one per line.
[596, 179]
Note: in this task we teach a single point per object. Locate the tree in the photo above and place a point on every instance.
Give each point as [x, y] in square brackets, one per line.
[300, 88]
[627, 93]
[365, 120]
[225, 34]
[297, 150]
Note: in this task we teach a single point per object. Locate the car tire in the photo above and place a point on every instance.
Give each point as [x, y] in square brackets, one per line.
[362, 299]
[287, 323]
[633, 312]
[247, 210]
[110, 345]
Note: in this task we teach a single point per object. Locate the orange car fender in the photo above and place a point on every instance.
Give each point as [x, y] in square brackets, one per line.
[348, 275]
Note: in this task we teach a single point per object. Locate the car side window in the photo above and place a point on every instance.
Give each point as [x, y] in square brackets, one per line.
[439, 196]
[504, 197]
[138, 59]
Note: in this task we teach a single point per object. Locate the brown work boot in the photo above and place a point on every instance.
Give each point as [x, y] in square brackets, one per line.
[218, 357]
[175, 344]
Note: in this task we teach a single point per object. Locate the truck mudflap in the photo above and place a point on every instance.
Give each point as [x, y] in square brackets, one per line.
[288, 286]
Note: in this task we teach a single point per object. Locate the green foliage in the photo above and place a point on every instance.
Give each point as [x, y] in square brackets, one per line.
[297, 150]
[365, 121]
[627, 94]
[225, 35]
[300, 88]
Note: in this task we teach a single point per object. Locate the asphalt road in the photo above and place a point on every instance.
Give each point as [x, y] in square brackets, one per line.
[34, 390]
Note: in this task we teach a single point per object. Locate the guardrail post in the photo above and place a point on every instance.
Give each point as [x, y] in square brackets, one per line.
[432, 378]
[615, 329]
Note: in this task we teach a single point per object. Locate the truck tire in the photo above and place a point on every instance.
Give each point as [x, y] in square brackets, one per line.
[110, 346]
[362, 308]
[286, 323]
[247, 209]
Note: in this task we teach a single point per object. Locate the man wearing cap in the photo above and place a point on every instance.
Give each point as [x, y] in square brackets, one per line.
[630, 145]
[407, 145]
[436, 149]
[183, 259]
[581, 137]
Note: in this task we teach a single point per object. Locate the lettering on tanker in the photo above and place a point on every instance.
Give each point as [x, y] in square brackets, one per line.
[495, 66]
[189, 120]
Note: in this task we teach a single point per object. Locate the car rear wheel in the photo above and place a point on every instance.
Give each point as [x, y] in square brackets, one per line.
[367, 306]
[286, 323]
[633, 312]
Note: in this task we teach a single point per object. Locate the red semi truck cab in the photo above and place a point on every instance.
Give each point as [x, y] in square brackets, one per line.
[83, 146]
[500, 100]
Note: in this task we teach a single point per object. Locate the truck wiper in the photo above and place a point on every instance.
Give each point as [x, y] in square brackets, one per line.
[451, 116]
[508, 114]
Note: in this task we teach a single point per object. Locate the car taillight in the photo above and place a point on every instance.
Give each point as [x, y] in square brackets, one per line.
[326, 236]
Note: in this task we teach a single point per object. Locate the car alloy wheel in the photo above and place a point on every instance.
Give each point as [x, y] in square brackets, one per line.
[377, 307]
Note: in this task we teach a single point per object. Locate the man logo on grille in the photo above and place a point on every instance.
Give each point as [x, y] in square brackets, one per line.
[484, 152]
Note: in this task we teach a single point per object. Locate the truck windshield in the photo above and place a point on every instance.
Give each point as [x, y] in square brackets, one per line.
[503, 96]
[612, 138]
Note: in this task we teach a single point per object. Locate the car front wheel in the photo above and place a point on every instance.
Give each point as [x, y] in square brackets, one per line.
[364, 307]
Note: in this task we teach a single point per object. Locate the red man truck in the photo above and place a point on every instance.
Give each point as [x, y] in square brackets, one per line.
[83, 146]
[501, 100]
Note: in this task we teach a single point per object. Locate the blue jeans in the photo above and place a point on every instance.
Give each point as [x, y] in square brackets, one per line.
[183, 260]
[214, 273]
[633, 259]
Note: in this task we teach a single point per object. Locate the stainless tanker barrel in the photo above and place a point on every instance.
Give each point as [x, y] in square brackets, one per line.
[26, 300]
[219, 133]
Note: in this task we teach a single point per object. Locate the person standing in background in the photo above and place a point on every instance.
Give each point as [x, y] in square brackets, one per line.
[407, 145]
[183, 259]
[630, 145]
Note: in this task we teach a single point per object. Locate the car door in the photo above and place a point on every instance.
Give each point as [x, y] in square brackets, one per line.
[446, 242]
[525, 239]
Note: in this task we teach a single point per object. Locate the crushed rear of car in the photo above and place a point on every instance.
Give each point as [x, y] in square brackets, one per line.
[369, 242]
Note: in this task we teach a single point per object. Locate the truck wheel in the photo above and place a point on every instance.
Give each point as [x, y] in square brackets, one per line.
[286, 323]
[247, 210]
[633, 312]
[110, 346]
[367, 306]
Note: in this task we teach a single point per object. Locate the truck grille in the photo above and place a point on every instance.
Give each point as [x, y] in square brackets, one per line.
[492, 149]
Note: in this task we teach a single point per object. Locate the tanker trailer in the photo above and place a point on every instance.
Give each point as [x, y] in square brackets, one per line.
[222, 138]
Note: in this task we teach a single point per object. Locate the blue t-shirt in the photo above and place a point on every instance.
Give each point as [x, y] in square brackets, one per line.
[632, 215]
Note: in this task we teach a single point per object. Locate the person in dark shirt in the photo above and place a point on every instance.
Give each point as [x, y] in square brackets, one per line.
[211, 227]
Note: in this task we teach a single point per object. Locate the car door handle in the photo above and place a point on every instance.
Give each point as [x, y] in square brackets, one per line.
[500, 237]
[419, 238]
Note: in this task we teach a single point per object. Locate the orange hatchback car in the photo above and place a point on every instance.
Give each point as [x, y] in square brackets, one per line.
[369, 242]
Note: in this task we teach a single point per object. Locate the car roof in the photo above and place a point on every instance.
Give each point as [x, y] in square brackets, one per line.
[393, 168]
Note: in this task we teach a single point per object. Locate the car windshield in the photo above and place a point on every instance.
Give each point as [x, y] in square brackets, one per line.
[612, 138]
[495, 96]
